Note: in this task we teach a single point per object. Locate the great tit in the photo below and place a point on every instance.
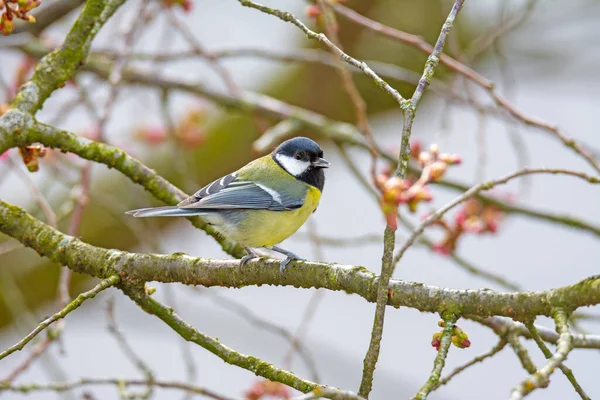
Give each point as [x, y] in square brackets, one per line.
[262, 203]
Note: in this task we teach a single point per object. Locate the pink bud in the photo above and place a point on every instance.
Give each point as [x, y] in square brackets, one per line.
[441, 249]
[313, 11]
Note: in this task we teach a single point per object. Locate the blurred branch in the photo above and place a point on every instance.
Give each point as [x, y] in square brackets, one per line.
[482, 187]
[57, 67]
[106, 283]
[254, 319]
[65, 386]
[496, 349]
[232, 87]
[334, 130]
[36, 194]
[128, 350]
[32, 131]
[230, 356]
[48, 15]
[420, 44]
[288, 17]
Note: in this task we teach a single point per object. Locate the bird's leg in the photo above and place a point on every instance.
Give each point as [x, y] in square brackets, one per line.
[251, 255]
[290, 256]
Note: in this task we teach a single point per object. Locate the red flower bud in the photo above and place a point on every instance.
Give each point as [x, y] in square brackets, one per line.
[313, 11]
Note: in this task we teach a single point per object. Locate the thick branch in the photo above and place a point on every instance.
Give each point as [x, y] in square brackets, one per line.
[102, 263]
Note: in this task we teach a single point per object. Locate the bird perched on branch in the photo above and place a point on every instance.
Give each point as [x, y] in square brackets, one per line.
[262, 203]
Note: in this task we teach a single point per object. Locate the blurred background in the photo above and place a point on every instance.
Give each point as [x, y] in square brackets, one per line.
[543, 56]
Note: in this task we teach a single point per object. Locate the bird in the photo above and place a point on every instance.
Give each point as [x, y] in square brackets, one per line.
[261, 204]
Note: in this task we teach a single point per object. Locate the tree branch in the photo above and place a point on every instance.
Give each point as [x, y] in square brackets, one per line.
[420, 44]
[178, 267]
[388, 261]
[65, 386]
[473, 191]
[563, 347]
[548, 354]
[288, 17]
[32, 131]
[440, 359]
[230, 356]
[58, 66]
[105, 284]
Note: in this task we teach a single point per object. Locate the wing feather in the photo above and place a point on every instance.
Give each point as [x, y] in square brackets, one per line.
[229, 193]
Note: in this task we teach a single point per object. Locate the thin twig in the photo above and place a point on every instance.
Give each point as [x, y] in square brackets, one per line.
[420, 44]
[483, 187]
[496, 349]
[197, 49]
[65, 386]
[440, 359]
[128, 350]
[548, 354]
[288, 17]
[253, 318]
[104, 284]
[388, 264]
[330, 393]
[501, 325]
[541, 376]
[431, 65]
[37, 195]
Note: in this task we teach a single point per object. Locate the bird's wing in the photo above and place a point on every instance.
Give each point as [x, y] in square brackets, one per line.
[231, 193]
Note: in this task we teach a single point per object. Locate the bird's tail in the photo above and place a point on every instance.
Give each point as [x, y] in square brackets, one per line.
[168, 211]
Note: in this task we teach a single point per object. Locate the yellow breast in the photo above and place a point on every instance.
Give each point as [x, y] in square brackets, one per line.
[264, 228]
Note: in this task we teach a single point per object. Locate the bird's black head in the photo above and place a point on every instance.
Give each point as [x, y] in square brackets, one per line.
[302, 158]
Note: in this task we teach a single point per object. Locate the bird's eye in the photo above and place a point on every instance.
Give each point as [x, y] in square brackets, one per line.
[298, 156]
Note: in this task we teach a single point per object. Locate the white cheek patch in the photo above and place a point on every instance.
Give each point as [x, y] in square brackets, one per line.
[291, 165]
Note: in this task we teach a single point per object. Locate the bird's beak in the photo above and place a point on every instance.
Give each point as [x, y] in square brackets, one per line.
[320, 163]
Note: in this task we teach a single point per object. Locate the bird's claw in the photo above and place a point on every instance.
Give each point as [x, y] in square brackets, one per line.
[286, 261]
[247, 257]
